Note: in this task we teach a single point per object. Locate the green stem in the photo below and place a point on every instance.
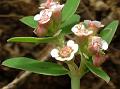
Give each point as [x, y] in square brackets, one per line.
[82, 69]
[74, 75]
[75, 82]
[75, 72]
[72, 66]
[60, 41]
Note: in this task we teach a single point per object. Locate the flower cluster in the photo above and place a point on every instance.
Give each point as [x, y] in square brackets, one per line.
[95, 44]
[50, 14]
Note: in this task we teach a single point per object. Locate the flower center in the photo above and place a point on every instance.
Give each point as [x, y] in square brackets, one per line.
[83, 32]
[97, 44]
[92, 26]
[65, 52]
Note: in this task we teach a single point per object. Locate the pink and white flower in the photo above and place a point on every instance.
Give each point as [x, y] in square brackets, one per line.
[96, 44]
[50, 13]
[80, 30]
[66, 53]
[44, 16]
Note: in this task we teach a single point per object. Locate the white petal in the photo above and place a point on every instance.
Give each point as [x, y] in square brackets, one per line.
[74, 29]
[88, 33]
[60, 59]
[102, 25]
[75, 48]
[55, 6]
[45, 16]
[59, 7]
[46, 12]
[53, 3]
[87, 21]
[104, 45]
[82, 27]
[97, 23]
[50, 13]
[37, 17]
[70, 43]
[54, 53]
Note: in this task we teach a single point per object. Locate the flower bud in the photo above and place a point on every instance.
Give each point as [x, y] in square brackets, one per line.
[98, 59]
[40, 30]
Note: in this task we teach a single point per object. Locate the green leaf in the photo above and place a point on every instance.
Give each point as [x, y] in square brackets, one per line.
[73, 19]
[108, 32]
[67, 25]
[32, 39]
[97, 71]
[35, 66]
[69, 9]
[29, 20]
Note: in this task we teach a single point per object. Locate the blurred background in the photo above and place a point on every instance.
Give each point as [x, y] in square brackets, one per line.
[10, 26]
